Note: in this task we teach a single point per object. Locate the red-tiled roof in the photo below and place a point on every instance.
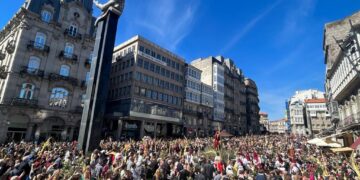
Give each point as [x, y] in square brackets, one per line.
[321, 100]
[263, 113]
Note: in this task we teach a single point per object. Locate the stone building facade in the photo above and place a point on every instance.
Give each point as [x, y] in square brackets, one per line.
[317, 115]
[252, 107]
[45, 56]
[146, 91]
[229, 87]
[300, 113]
[213, 75]
[278, 126]
[341, 49]
[264, 121]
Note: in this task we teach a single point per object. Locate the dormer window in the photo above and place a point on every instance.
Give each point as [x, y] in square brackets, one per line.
[46, 16]
[73, 30]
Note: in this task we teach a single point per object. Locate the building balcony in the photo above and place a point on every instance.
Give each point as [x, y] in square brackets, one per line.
[32, 71]
[83, 84]
[2, 55]
[32, 45]
[87, 63]
[58, 77]
[68, 56]
[23, 102]
[191, 112]
[78, 109]
[72, 34]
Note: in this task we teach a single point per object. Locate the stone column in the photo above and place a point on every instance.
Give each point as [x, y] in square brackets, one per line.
[29, 132]
[118, 132]
[3, 130]
[64, 133]
[71, 133]
[142, 129]
[155, 129]
[37, 132]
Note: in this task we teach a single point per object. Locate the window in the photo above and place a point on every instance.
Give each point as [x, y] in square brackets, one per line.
[40, 40]
[141, 48]
[152, 67]
[69, 49]
[46, 16]
[33, 65]
[148, 93]
[59, 97]
[64, 70]
[140, 62]
[73, 30]
[138, 76]
[142, 91]
[154, 95]
[27, 91]
[87, 78]
[146, 65]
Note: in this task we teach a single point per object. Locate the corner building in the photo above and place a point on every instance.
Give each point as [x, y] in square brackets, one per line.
[342, 85]
[146, 91]
[229, 93]
[45, 57]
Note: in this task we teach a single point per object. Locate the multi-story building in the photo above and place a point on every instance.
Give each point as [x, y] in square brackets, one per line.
[298, 111]
[146, 91]
[278, 126]
[193, 121]
[252, 106]
[213, 75]
[317, 115]
[341, 49]
[264, 121]
[45, 56]
[206, 107]
[229, 93]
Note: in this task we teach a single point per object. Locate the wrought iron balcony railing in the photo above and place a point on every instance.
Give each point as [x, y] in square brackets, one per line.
[68, 56]
[57, 77]
[31, 71]
[23, 102]
[38, 46]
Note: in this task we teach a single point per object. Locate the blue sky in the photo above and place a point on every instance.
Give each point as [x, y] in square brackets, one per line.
[278, 43]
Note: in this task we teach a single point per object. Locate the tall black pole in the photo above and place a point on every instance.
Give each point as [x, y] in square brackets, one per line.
[97, 90]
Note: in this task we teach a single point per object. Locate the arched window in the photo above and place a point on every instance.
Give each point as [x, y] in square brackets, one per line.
[46, 16]
[33, 65]
[69, 49]
[40, 40]
[73, 29]
[27, 91]
[59, 97]
[64, 70]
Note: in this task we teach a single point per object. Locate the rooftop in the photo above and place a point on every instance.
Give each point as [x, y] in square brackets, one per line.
[320, 100]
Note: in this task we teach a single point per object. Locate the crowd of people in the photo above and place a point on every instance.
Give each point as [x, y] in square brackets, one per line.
[257, 157]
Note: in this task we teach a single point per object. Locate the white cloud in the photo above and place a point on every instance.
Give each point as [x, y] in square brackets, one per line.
[250, 25]
[294, 20]
[168, 22]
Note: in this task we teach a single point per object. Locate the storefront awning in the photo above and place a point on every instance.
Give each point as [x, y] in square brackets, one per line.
[323, 143]
[342, 149]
